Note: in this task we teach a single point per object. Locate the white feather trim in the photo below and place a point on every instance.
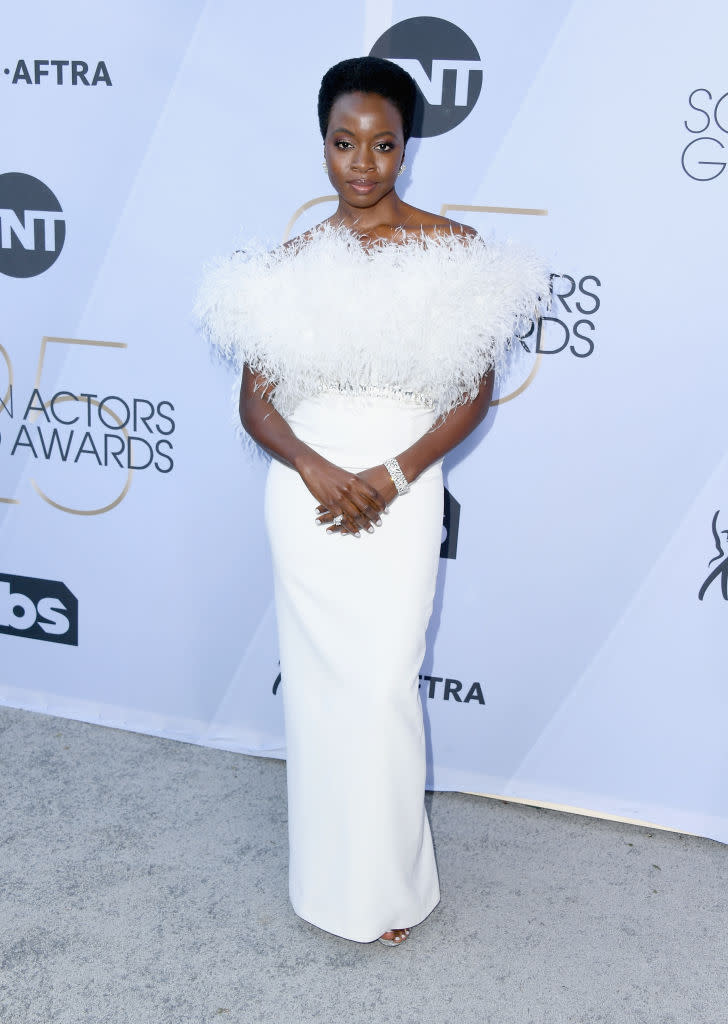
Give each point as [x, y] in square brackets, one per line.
[427, 318]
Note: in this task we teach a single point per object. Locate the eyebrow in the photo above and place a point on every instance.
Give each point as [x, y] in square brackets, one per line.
[346, 131]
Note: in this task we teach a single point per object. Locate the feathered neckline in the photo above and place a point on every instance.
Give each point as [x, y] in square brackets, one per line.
[415, 238]
[429, 314]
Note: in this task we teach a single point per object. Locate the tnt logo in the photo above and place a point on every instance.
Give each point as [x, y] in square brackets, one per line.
[38, 609]
[32, 226]
[445, 65]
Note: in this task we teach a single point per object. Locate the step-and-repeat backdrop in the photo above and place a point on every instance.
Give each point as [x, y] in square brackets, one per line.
[577, 651]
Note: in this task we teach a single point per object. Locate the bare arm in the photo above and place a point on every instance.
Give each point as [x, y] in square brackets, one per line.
[453, 429]
[264, 424]
[447, 435]
[336, 489]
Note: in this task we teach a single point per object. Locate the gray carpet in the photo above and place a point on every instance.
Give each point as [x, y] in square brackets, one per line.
[144, 880]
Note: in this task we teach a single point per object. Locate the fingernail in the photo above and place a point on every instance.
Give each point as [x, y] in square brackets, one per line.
[370, 529]
[357, 535]
[378, 522]
[319, 522]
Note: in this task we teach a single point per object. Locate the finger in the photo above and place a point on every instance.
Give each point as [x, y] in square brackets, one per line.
[333, 521]
[364, 520]
[347, 526]
[364, 523]
[365, 512]
[362, 495]
[374, 514]
[363, 509]
[359, 515]
[326, 515]
[358, 522]
[372, 496]
[352, 526]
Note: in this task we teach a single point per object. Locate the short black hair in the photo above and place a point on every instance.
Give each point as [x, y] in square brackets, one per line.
[368, 74]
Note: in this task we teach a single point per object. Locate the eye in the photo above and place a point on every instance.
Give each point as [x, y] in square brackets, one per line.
[342, 144]
[384, 147]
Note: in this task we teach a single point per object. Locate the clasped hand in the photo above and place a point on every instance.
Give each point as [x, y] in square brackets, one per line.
[360, 498]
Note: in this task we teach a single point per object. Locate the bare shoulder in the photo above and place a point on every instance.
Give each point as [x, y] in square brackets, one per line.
[435, 224]
[298, 240]
[457, 228]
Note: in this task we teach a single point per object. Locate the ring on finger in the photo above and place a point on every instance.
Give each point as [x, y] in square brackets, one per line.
[337, 520]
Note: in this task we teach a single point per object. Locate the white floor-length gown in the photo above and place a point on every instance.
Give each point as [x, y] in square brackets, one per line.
[368, 349]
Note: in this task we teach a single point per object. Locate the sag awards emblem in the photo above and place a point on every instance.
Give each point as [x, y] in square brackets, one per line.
[704, 156]
[719, 571]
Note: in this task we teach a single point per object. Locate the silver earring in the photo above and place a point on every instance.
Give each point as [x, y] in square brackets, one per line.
[403, 168]
[325, 166]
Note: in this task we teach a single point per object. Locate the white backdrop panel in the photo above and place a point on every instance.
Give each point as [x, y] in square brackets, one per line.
[587, 503]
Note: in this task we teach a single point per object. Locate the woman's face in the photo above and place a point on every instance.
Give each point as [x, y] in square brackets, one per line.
[364, 147]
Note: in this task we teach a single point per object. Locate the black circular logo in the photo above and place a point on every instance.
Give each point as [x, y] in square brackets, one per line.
[445, 64]
[32, 227]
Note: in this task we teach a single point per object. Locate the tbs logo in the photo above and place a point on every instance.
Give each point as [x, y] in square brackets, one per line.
[38, 609]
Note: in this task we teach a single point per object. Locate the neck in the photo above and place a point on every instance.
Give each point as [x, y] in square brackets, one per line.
[389, 211]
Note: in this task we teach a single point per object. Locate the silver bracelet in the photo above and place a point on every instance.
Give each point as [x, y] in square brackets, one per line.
[398, 478]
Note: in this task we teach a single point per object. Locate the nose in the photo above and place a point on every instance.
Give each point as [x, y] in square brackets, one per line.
[362, 161]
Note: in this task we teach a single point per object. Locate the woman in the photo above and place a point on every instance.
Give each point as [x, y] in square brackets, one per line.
[368, 349]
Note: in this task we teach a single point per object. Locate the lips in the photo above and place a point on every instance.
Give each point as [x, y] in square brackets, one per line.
[362, 185]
